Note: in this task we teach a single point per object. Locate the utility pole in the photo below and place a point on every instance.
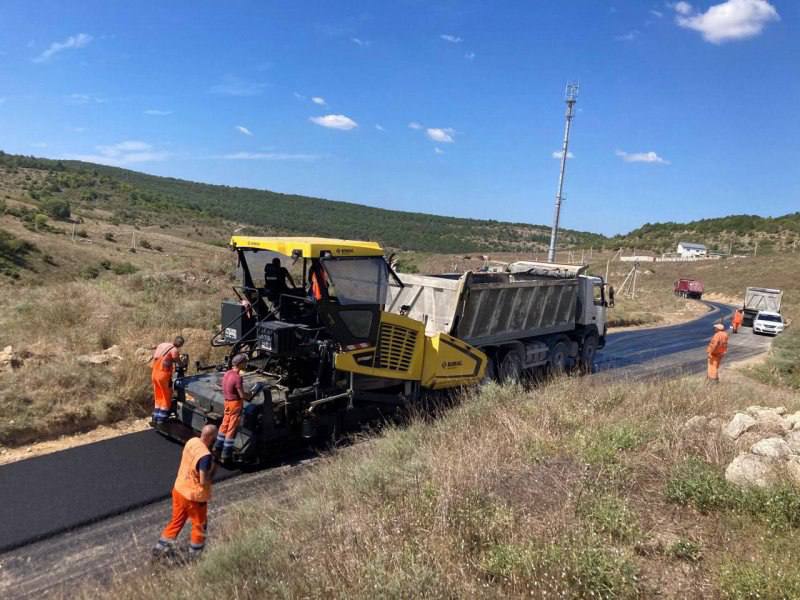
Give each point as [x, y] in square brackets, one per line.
[570, 97]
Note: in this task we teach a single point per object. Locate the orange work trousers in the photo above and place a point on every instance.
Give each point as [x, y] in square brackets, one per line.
[713, 366]
[230, 425]
[182, 509]
[162, 388]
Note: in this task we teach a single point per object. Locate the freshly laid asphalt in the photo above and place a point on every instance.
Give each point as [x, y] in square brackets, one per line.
[49, 494]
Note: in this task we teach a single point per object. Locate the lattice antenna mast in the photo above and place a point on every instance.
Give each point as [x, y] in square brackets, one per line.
[570, 97]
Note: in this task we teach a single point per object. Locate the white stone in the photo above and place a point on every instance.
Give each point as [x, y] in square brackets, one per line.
[773, 447]
[697, 422]
[793, 439]
[740, 423]
[793, 420]
[101, 358]
[793, 470]
[751, 470]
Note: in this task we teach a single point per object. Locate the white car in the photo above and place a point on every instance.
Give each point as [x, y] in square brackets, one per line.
[768, 322]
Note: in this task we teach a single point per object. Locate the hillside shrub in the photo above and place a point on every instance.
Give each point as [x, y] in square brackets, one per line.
[56, 208]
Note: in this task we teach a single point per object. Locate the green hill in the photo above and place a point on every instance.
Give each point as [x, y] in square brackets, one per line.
[736, 233]
[139, 199]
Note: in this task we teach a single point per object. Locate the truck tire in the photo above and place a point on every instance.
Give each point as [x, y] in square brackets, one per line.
[510, 370]
[558, 359]
[491, 368]
[588, 352]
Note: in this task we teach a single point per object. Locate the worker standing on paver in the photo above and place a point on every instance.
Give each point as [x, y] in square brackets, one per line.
[164, 359]
[234, 396]
[190, 495]
[736, 320]
[717, 348]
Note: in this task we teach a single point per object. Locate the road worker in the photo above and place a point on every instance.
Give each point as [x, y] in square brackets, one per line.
[319, 281]
[164, 359]
[736, 320]
[611, 296]
[234, 396]
[190, 495]
[275, 277]
[717, 348]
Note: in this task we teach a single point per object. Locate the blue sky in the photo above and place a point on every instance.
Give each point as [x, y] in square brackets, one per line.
[456, 107]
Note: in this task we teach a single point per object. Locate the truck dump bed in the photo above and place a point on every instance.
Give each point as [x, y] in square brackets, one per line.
[756, 299]
[488, 308]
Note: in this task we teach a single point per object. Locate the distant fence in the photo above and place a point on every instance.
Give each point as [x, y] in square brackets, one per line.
[654, 259]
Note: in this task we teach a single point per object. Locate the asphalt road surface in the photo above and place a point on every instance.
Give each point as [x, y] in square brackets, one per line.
[88, 513]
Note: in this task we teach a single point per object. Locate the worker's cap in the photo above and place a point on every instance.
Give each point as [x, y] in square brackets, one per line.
[719, 326]
[238, 359]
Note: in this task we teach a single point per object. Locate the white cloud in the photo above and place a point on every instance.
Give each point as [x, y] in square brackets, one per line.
[153, 112]
[123, 153]
[335, 122]
[438, 150]
[85, 99]
[236, 86]
[730, 20]
[319, 100]
[379, 127]
[453, 39]
[360, 42]
[645, 157]
[267, 156]
[558, 153]
[469, 55]
[244, 130]
[656, 13]
[437, 134]
[414, 125]
[72, 42]
[628, 37]
[299, 96]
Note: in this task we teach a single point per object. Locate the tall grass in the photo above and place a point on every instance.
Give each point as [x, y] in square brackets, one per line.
[544, 493]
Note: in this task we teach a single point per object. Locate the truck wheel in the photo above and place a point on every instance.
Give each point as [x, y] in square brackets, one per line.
[510, 368]
[559, 355]
[588, 351]
[490, 374]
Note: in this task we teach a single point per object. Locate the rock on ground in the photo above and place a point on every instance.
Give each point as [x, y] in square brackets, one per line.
[101, 358]
[740, 423]
[752, 470]
[773, 447]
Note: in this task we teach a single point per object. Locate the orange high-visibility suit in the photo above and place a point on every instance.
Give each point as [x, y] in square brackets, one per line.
[164, 359]
[736, 320]
[717, 348]
[233, 395]
[190, 497]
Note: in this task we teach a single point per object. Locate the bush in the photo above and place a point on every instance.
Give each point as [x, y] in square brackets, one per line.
[82, 233]
[90, 272]
[109, 237]
[40, 221]
[145, 244]
[106, 264]
[58, 209]
[124, 268]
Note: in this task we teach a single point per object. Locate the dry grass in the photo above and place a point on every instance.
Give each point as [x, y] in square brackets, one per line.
[557, 492]
[53, 314]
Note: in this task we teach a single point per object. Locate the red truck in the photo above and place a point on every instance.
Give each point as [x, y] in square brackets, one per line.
[688, 288]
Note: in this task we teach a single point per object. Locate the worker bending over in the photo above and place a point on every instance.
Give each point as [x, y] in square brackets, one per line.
[164, 359]
[717, 348]
[190, 495]
[234, 396]
[736, 320]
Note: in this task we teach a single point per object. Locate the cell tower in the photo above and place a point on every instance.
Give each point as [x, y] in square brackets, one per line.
[570, 97]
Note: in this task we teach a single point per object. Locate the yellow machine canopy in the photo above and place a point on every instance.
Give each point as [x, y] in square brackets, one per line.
[307, 247]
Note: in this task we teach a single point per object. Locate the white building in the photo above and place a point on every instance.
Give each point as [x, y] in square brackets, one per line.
[688, 250]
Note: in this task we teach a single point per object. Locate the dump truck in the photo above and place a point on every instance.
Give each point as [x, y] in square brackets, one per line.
[688, 288]
[526, 316]
[760, 299]
[323, 355]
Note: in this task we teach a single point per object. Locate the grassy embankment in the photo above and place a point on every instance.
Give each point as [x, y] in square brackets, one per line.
[570, 491]
[62, 299]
